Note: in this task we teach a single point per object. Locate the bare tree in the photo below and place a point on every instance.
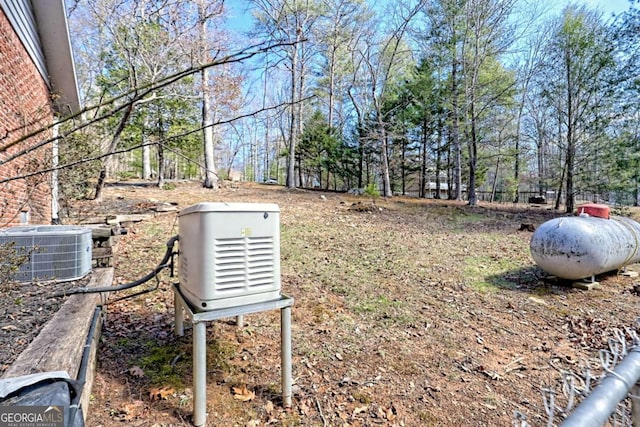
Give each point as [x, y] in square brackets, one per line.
[579, 60]
[210, 175]
[447, 41]
[486, 22]
[382, 67]
[292, 21]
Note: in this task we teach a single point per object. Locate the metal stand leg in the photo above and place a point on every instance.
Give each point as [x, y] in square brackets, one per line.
[178, 315]
[199, 322]
[199, 373]
[285, 355]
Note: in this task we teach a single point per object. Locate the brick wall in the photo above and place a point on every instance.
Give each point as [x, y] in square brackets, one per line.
[24, 108]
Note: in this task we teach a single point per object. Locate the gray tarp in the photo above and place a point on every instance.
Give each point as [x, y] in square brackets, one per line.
[44, 389]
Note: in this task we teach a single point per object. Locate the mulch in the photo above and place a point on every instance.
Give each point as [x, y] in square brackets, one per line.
[24, 309]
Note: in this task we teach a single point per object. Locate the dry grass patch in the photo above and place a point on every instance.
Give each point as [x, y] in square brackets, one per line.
[408, 312]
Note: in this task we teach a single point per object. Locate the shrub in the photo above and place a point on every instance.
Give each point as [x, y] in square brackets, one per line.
[372, 190]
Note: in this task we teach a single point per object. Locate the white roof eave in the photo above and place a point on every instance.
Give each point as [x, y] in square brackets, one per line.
[51, 19]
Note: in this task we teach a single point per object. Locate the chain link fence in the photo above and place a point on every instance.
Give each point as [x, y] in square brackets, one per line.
[604, 393]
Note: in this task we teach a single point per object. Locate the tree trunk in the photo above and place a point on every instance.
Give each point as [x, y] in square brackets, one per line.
[111, 149]
[360, 142]
[540, 159]
[386, 180]
[424, 179]
[636, 186]
[146, 162]
[161, 165]
[570, 197]
[403, 167]
[570, 137]
[473, 154]
[438, 158]
[455, 137]
[331, 85]
[300, 94]
[146, 151]
[559, 196]
[293, 128]
[494, 185]
[210, 176]
[361, 165]
[450, 178]
[384, 154]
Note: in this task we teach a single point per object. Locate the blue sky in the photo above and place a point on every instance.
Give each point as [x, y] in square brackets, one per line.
[609, 6]
[241, 20]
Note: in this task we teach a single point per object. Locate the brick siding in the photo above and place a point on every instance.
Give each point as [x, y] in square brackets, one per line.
[24, 107]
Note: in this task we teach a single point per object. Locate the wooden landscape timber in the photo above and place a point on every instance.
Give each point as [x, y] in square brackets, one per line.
[60, 344]
[104, 239]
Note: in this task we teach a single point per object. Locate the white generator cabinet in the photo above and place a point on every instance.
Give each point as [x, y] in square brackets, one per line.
[229, 254]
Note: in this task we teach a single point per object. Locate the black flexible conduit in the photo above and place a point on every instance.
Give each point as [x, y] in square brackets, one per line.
[167, 261]
[163, 264]
[84, 363]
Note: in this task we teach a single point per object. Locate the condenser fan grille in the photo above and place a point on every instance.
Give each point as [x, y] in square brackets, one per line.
[243, 263]
[59, 253]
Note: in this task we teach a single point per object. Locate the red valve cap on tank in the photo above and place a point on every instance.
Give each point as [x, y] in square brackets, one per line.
[595, 209]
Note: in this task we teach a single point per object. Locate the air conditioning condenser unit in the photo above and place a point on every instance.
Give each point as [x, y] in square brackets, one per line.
[54, 252]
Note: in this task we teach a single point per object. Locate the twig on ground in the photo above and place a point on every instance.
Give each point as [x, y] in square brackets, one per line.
[324, 420]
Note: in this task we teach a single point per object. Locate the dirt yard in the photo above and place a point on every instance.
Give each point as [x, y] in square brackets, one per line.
[407, 313]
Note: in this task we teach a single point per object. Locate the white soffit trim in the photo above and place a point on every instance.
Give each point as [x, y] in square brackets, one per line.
[51, 21]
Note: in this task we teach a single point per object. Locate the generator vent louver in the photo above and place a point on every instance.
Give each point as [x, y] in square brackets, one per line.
[55, 252]
[244, 263]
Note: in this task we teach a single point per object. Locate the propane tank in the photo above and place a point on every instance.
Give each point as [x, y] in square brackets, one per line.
[591, 243]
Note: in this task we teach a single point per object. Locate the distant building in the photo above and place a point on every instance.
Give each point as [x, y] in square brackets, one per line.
[37, 84]
[432, 192]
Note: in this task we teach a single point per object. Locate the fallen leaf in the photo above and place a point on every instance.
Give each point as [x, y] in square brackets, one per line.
[268, 407]
[132, 410]
[243, 393]
[303, 406]
[360, 410]
[161, 393]
[9, 328]
[136, 371]
[391, 413]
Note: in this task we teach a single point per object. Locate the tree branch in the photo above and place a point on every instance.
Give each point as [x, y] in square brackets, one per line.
[137, 94]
